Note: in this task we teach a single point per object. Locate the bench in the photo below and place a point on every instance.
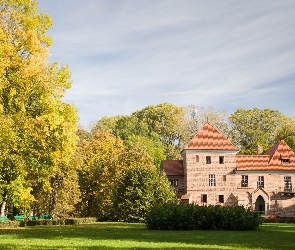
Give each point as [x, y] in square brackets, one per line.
[33, 217]
[46, 217]
[19, 217]
[3, 218]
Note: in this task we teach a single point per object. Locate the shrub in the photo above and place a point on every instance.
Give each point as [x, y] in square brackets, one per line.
[194, 217]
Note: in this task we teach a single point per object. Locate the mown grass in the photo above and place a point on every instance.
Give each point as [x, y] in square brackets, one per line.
[136, 236]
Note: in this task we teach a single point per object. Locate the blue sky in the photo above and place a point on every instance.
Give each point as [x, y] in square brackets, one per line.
[128, 54]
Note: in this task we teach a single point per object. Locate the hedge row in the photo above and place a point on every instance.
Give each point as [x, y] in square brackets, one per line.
[71, 221]
[194, 217]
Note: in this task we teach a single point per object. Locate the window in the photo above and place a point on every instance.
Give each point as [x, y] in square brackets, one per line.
[204, 198]
[197, 158]
[221, 159]
[288, 184]
[285, 161]
[244, 182]
[208, 159]
[221, 198]
[174, 182]
[212, 181]
[260, 182]
[224, 177]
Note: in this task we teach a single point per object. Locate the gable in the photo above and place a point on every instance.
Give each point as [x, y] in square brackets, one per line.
[209, 138]
[281, 151]
[271, 160]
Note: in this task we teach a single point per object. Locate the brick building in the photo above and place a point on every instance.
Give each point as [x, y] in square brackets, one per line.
[212, 173]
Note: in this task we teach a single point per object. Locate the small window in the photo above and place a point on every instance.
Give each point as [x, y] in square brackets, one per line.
[212, 180]
[260, 183]
[244, 182]
[221, 159]
[224, 177]
[174, 182]
[288, 184]
[285, 161]
[197, 158]
[208, 159]
[204, 198]
[221, 198]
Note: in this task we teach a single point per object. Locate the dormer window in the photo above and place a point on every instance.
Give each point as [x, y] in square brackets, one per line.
[285, 160]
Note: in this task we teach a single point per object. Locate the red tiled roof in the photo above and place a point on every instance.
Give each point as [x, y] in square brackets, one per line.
[270, 161]
[172, 167]
[252, 162]
[209, 138]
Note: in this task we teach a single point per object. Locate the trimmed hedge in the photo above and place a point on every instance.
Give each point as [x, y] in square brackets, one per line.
[194, 217]
[277, 219]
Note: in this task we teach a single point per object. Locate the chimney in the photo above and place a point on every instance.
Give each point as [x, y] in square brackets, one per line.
[259, 150]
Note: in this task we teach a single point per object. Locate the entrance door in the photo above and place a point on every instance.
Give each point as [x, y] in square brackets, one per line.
[260, 205]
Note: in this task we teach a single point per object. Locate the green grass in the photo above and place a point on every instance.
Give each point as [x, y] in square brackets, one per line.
[136, 236]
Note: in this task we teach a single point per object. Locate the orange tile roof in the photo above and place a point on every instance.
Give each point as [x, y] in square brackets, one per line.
[209, 138]
[271, 160]
[172, 167]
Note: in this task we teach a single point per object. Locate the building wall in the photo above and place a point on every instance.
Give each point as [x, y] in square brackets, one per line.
[197, 177]
[228, 190]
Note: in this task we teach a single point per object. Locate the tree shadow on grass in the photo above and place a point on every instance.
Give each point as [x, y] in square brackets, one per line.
[136, 236]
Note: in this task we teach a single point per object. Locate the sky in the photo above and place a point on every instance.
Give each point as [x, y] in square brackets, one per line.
[125, 55]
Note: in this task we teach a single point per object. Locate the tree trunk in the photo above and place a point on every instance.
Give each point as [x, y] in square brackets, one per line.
[3, 205]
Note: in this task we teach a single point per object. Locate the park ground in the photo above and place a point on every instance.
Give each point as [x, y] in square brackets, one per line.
[110, 235]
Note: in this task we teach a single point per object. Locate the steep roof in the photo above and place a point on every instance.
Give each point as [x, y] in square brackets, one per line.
[172, 167]
[271, 160]
[209, 138]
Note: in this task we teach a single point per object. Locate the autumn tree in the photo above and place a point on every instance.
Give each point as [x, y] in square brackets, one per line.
[100, 170]
[31, 92]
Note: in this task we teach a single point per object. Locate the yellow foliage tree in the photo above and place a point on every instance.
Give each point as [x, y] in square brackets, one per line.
[31, 92]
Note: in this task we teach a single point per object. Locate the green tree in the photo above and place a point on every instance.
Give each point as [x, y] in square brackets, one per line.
[130, 129]
[286, 131]
[168, 121]
[255, 127]
[139, 188]
[31, 92]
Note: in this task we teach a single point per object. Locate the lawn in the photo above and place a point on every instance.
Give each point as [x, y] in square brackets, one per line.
[136, 236]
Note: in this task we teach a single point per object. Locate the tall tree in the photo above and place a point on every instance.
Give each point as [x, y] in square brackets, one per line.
[31, 92]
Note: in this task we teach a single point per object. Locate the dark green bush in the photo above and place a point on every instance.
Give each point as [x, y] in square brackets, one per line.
[194, 217]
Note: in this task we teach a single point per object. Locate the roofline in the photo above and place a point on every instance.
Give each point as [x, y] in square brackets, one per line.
[264, 171]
